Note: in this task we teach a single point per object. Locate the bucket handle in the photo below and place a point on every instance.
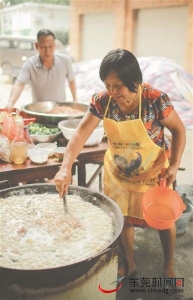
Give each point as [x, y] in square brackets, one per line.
[188, 200]
[162, 181]
[190, 203]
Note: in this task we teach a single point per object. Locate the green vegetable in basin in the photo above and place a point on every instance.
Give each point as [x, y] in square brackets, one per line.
[39, 129]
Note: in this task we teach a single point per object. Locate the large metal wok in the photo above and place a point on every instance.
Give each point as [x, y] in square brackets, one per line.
[64, 274]
[40, 109]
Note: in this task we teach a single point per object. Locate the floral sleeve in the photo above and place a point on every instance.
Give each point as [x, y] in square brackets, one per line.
[165, 106]
[98, 104]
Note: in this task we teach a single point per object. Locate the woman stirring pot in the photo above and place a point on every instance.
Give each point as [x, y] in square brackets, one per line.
[135, 114]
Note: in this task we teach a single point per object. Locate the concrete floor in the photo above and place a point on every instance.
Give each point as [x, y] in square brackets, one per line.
[149, 260]
[148, 251]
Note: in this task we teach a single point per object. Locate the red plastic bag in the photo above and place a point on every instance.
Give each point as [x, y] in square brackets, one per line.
[8, 127]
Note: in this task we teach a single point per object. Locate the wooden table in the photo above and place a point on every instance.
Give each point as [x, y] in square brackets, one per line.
[29, 172]
[91, 155]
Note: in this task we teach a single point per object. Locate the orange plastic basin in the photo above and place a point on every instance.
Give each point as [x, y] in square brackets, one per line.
[162, 207]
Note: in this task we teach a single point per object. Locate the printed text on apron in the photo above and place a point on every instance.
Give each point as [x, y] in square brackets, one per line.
[132, 163]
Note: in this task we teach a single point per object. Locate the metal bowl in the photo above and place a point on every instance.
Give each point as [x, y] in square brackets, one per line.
[45, 138]
[40, 111]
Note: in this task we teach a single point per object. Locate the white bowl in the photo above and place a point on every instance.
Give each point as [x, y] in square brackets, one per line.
[49, 147]
[30, 147]
[59, 152]
[38, 156]
[68, 128]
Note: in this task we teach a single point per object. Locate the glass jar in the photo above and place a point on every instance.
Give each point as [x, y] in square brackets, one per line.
[19, 147]
[30, 143]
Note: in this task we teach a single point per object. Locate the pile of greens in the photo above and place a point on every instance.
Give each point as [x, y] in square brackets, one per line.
[39, 129]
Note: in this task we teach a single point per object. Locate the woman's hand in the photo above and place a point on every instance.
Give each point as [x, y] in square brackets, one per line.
[86, 126]
[62, 180]
[169, 175]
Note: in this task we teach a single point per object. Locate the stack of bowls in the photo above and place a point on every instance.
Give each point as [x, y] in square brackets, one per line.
[49, 147]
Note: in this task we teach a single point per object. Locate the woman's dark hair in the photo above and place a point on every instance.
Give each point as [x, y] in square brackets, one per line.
[45, 32]
[125, 65]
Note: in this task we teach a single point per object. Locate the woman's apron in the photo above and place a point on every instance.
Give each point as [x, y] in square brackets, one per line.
[131, 164]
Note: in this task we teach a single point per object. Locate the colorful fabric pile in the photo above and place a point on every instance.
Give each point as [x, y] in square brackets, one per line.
[171, 78]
